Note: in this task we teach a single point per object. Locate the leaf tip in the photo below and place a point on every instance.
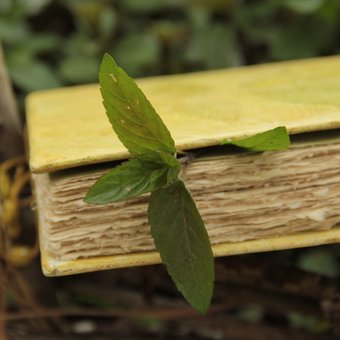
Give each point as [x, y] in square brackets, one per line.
[87, 199]
[90, 198]
[107, 63]
[107, 57]
[225, 141]
[203, 306]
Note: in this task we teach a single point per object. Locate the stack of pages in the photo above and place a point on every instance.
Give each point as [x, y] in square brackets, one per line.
[249, 201]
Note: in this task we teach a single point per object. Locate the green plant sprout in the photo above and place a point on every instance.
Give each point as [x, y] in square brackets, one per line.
[177, 227]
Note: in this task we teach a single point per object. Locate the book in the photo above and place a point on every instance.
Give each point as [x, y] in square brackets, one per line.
[250, 201]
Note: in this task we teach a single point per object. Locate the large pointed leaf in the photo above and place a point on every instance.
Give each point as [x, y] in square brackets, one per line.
[142, 174]
[182, 240]
[276, 139]
[133, 118]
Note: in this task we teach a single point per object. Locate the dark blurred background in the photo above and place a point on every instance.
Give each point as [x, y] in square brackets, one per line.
[279, 295]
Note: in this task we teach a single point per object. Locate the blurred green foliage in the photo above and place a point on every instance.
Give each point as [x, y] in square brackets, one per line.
[51, 43]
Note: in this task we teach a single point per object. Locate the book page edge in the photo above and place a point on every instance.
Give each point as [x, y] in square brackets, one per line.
[55, 267]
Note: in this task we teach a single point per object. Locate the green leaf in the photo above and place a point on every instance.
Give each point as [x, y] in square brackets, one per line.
[138, 54]
[319, 261]
[31, 75]
[133, 118]
[33, 7]
[150, 6]
[40, 43]
[141, 174]
[276, 139]
[304, 6]
[182, 240]
[12, 32]
[81, 45]
[108, 21]
[79, 69]
[292, 42]
[215, 46]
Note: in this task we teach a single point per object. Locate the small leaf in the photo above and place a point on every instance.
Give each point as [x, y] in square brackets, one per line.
[319, 261]
[141, 174]
[108, 21]
[215, 46]
[133, 118]
[32, 75]
[14, 32]
[144, 7]
[79, 69]
[138, 54]
[276, 139]
[304, 6]
[40, 43]
[292, 41]
[182, 240]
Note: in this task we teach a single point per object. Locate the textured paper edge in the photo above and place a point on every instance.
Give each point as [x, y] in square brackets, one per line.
[54, 267]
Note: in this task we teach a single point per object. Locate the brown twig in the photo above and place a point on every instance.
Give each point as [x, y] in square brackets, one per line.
[26, 298]
[2, 307]
[275, 302]
[253, 272]
[156, 313]
[229, 327]
[2, 284]
[11, 142]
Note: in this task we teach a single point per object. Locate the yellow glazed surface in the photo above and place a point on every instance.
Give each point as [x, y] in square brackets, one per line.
[68, 126]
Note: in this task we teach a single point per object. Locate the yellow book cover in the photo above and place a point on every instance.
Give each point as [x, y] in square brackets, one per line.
[71, 141]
